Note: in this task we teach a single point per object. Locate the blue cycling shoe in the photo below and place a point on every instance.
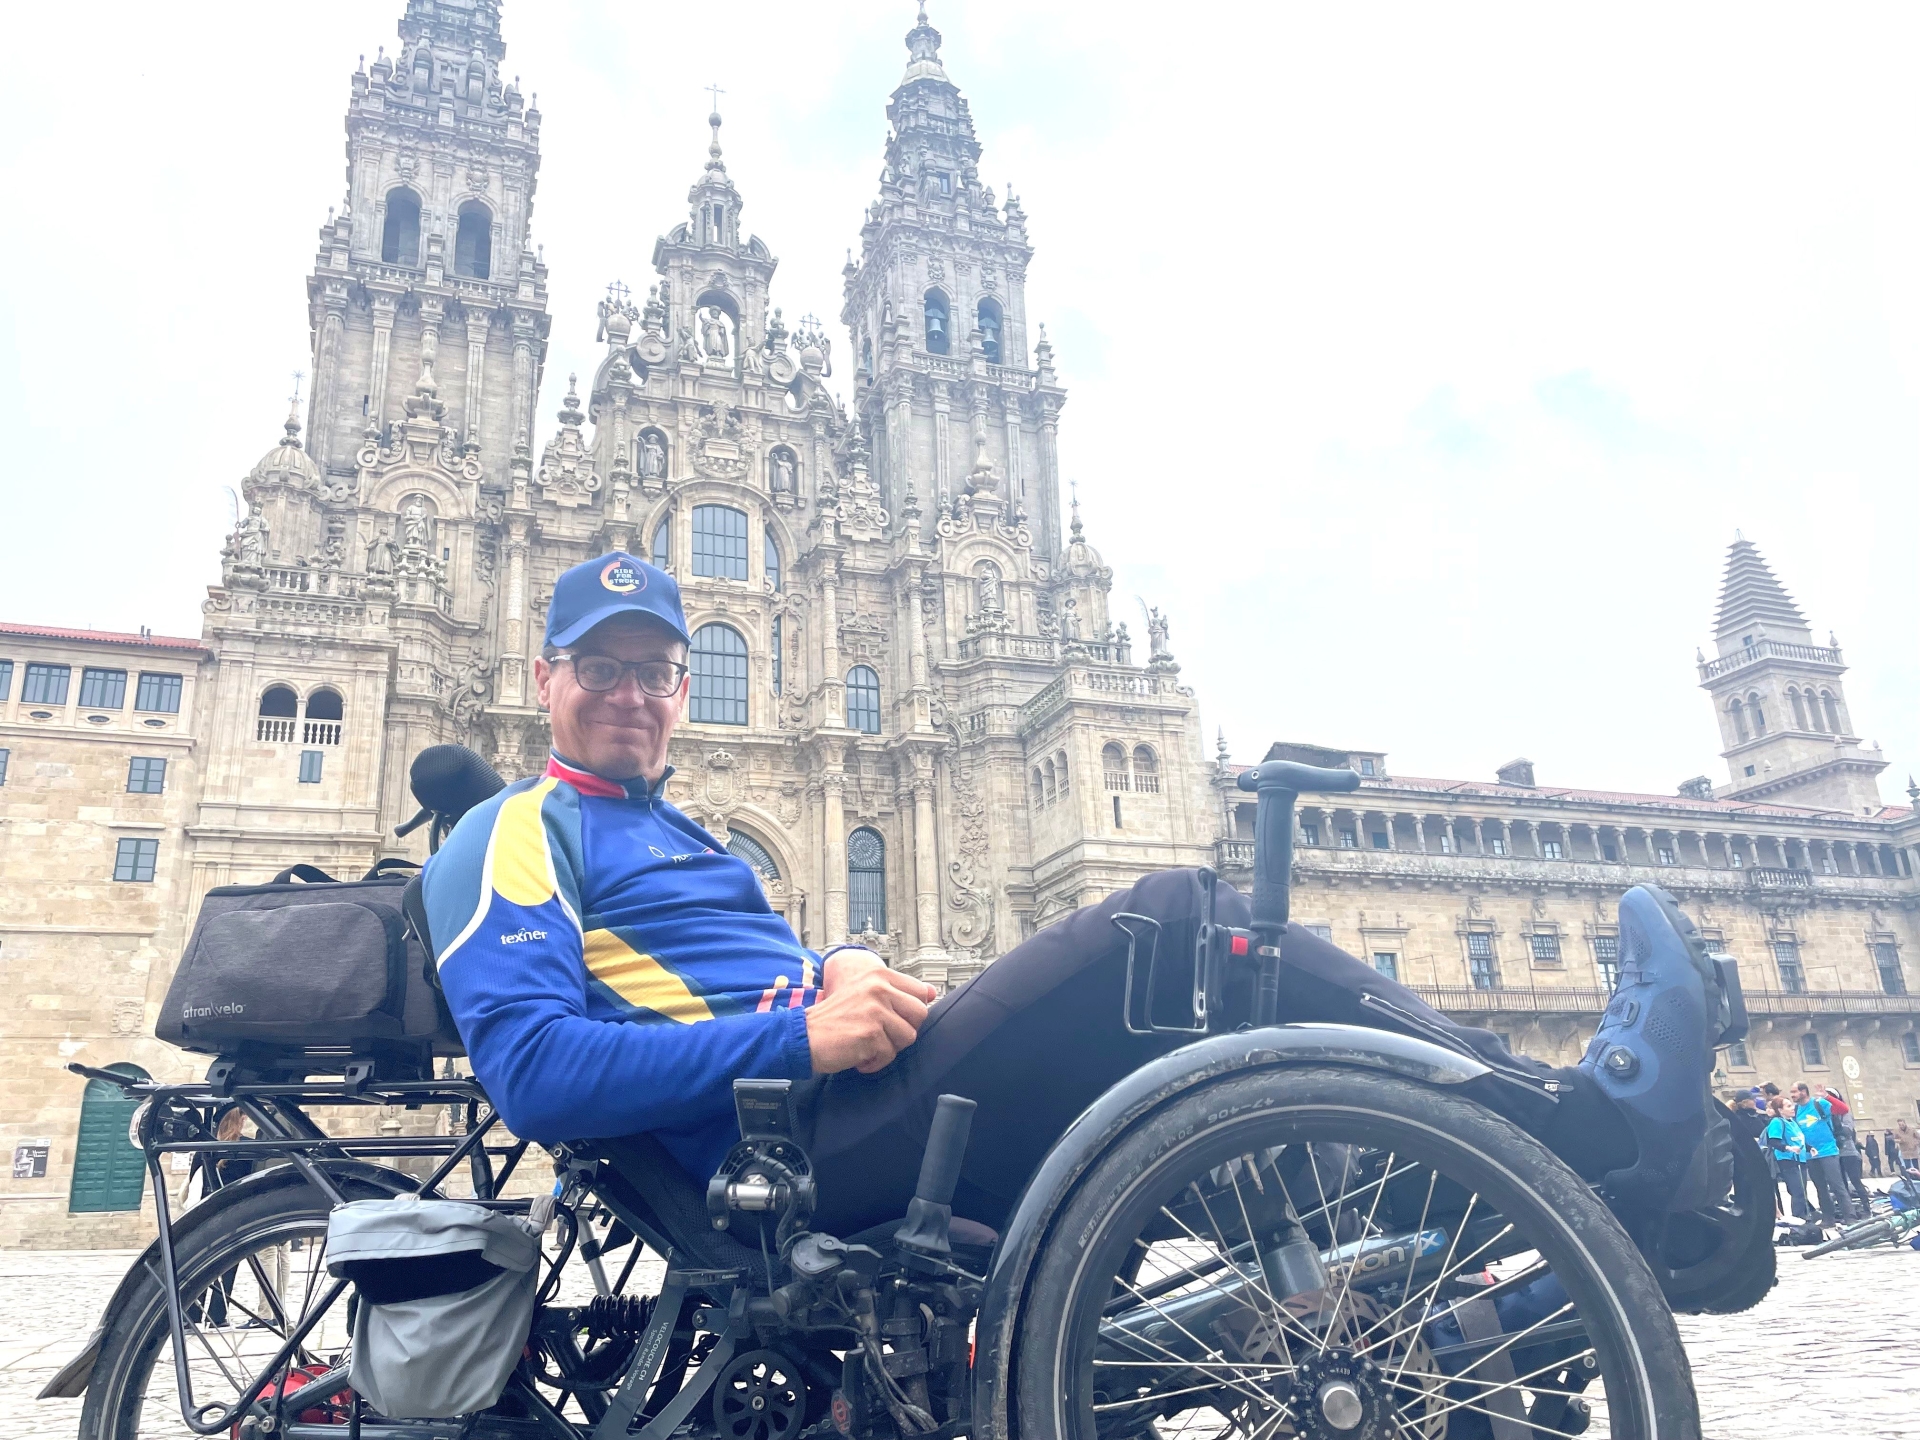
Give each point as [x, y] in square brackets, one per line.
[1653, 1056]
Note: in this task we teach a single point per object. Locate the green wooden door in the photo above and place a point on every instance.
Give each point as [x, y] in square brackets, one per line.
[109, 1173]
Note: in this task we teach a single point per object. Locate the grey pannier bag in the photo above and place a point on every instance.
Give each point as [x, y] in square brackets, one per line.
[446, 1299]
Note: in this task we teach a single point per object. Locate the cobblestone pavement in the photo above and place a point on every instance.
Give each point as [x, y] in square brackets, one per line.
[1847, 1319]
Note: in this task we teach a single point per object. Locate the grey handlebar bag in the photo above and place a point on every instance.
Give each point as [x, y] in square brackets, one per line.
[446, 1299]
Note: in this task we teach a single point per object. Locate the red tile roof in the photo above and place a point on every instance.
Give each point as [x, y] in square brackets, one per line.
[104, 637]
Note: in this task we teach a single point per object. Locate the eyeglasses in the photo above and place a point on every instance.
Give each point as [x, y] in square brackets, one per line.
[601, 673]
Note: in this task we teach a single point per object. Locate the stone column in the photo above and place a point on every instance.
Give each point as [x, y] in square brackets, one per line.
[323, 409]
[916, 632]
[833, 855]
[524, 334]
[1010, 422]
[942, 440]
[513, 651]
[476, 374]
[832, 681]
[1420, 832]
[926, 862]
[383, 309]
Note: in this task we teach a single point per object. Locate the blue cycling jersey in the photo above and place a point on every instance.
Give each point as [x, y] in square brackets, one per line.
[611, 967]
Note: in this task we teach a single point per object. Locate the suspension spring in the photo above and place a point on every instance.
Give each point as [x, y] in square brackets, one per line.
[623, 1316]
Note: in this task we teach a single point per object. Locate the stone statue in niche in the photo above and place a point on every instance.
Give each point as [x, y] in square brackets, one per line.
[1070, 620]
[782, 473]
[653, 456]
[987, 577]
[413, 525]
[713, 333]
[688, 350]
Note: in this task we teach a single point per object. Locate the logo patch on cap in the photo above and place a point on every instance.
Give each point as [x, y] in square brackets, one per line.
[623, 577]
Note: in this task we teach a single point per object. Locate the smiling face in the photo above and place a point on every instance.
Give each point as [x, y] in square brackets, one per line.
[620, 733]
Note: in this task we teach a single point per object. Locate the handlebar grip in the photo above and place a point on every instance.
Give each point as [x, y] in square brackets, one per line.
[1301, 779]
[946, 1149]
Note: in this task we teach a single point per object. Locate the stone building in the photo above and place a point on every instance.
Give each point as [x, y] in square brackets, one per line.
[100, 763]
[1496, 899]
[912, 710]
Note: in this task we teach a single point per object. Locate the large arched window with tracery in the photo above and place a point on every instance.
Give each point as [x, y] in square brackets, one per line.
[863, 699]
[866, 882]
[663, 543]
[718, 660]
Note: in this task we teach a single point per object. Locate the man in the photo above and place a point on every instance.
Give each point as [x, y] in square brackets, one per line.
[613, 970]
[1873, 1153]
[1815, 1119]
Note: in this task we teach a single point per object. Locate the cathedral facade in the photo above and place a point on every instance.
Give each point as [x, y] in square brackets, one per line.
[909, 701]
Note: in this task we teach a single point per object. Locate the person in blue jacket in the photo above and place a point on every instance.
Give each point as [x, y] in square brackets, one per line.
[1787, 1148]
[613, 970]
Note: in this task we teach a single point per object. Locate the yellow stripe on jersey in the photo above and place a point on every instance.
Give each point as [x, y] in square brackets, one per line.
[522, 867]
[640, 979]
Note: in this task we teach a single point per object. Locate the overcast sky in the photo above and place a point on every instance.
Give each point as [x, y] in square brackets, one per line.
[1422, 359]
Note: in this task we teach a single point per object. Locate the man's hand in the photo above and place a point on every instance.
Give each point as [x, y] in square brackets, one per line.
[866, 1014]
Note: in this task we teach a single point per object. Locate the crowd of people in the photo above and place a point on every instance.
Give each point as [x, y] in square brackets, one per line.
[1820, 1161]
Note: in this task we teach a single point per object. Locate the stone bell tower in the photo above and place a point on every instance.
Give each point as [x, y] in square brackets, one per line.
[427, 272]
[942, 275]
[356, 617]
[1783, 715]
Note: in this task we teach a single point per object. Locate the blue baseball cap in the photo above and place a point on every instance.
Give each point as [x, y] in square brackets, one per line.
[615, 584]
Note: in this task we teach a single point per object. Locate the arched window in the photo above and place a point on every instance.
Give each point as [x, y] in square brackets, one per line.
[866, 882]
[473, 242]
[1799, 710]
[1039, 791]
[663, 545]
[1113, 766]
[863, 699]
[1833, 712]
[400, 232]
[1739, 713]
[109, 1172]
[746, 848]
[720, 541]
[323, 704]
[718, 660]
[279, 701]
[770, 555]
[1146, 770]
[1061, 760]
[939, 342]
[990, 330]
[1052, 788]
[1759, 715]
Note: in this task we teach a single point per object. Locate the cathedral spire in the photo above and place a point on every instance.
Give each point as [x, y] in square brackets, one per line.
[923, 50]
[714, 198]
[1750, 596]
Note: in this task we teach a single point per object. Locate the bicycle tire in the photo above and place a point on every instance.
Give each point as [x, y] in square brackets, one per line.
[1630, 1330]
[137, 1334]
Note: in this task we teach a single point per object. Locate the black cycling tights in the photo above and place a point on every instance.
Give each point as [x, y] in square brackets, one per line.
[1037, 1036]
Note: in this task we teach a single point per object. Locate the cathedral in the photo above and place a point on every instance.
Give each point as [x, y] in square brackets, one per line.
[911, 710]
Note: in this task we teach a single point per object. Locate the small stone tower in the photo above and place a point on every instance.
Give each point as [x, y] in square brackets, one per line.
[1782, 711]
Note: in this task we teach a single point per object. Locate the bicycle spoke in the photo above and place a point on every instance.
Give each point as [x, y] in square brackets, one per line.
[1346, 1282]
